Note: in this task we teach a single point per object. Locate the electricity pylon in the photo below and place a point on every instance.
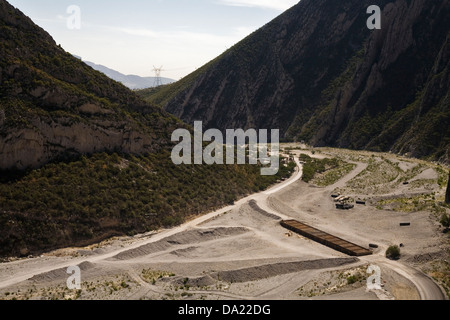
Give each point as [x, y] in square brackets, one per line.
[157, 71]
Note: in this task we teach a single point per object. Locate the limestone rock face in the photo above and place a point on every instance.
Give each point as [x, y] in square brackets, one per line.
[47, 141]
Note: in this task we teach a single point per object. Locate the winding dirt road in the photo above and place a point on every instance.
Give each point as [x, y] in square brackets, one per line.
[426, 287]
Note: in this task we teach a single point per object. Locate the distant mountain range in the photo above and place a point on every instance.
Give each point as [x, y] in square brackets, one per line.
[133, 82]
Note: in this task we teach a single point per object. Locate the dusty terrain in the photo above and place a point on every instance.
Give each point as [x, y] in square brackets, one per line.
[242, 252]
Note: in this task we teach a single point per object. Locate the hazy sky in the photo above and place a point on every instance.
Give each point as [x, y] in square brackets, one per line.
[132, 36]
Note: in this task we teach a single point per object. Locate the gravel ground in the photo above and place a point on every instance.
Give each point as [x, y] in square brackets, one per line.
[242, 252]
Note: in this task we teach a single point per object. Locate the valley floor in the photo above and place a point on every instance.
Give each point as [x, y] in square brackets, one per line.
[240, 252]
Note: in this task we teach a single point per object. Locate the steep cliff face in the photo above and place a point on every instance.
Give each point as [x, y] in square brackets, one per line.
[397, 97]
[319, 74]
[55, 139]
[53, 106]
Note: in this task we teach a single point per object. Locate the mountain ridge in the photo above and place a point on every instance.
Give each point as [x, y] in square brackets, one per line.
[131, 81]
[53, 106]
[320, 75]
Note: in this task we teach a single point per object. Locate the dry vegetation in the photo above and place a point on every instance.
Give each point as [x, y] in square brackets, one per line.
[333, 282]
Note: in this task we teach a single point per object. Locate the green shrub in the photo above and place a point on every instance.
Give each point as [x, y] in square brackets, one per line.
[393, 252]
[312, 166]
[445, 221]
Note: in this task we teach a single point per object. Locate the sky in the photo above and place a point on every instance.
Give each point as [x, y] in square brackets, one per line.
[134, 36]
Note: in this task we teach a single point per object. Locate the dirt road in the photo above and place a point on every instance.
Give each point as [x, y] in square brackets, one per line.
[237, 253]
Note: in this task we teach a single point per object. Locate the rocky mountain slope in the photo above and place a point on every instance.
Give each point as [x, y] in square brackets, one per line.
[320, 75]
[53, 106]
[83, 158]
